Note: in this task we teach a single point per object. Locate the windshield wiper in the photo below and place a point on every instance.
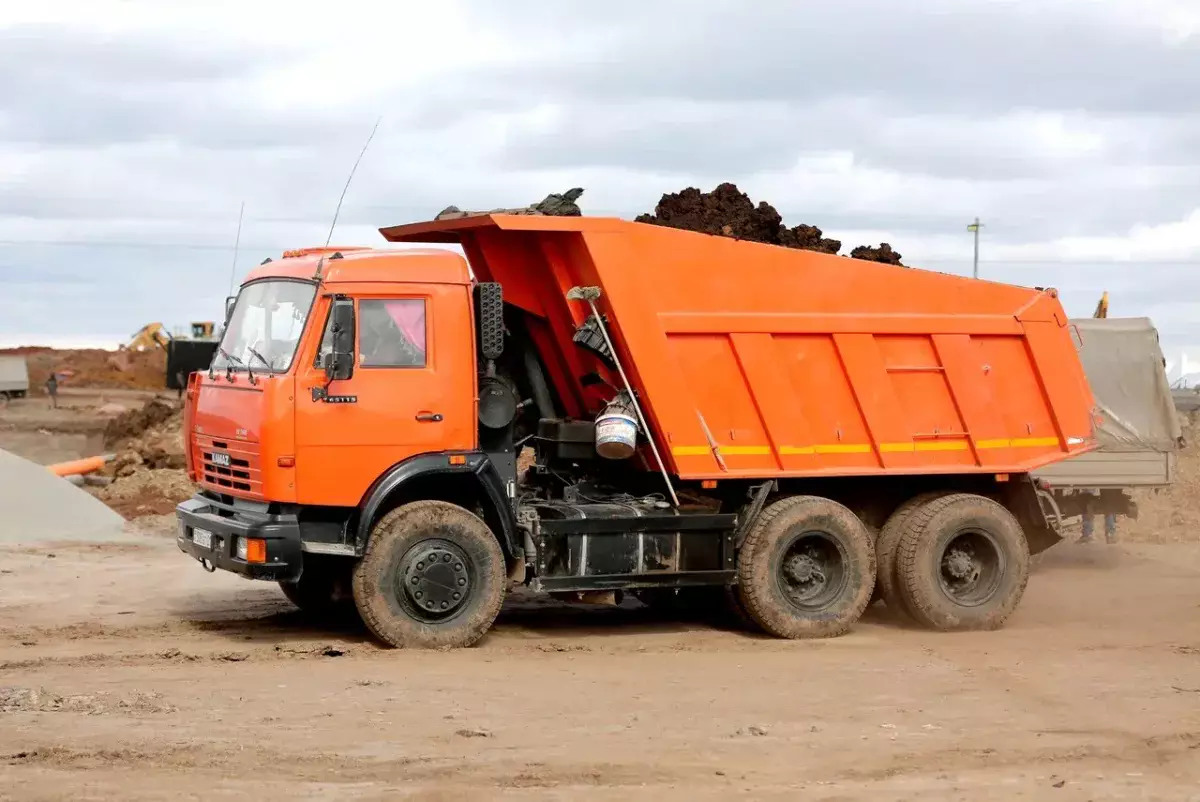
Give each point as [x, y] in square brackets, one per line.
[230, 360]
[261, 358]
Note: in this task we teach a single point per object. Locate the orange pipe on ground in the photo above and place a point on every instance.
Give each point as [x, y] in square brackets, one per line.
[79, 466]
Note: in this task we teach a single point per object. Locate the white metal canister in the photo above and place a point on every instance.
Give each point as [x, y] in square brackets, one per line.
[616, 433]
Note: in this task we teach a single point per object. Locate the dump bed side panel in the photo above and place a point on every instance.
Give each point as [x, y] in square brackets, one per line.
[797, 363]
[801, 363]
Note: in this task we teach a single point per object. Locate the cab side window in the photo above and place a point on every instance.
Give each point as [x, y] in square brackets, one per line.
[391, 333]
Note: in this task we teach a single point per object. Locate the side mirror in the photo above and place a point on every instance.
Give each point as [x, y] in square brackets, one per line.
[339, 362]
[230, 302]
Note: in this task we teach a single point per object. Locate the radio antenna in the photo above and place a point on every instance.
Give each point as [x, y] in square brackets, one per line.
[349, 178]
[237, 240]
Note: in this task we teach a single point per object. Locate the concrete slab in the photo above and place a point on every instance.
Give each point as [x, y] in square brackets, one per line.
[39, 507]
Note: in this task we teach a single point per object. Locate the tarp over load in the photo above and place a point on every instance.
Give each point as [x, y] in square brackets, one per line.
[1124, 365]
[1136, 427]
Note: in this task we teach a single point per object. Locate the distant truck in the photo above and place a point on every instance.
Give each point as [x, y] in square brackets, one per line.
[1138, 431]
[14, 377]
[710, 419]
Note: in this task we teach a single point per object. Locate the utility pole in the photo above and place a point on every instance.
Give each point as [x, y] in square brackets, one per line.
[974, 227]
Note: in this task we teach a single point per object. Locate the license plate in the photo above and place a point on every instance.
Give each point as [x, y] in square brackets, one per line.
[221, 459]
[202, 538]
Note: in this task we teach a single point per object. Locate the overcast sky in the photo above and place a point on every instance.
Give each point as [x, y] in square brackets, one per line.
[130, 133]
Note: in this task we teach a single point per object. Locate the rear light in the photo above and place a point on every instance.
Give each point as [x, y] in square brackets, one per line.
[286, 462]
[251, 549]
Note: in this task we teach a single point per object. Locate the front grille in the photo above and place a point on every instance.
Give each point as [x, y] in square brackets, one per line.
[243, 474]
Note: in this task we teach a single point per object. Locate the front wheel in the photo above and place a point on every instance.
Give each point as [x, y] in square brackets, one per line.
[807, 568]
[433, 577]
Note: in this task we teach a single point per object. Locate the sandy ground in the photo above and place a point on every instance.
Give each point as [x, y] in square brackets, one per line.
[130, 673]
[127, 672]
[31, 428]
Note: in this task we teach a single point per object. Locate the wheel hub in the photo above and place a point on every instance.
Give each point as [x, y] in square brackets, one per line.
[972, 568]
[811, 571]
[960, 564]
[435, 579]
[802, 568]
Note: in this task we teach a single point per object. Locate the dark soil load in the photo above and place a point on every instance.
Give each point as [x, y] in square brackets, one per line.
[729, 212]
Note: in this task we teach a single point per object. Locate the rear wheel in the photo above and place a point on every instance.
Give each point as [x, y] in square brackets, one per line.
[885, 552]
[806, 569]
[962, 563]
[323, 587]
[433, 577]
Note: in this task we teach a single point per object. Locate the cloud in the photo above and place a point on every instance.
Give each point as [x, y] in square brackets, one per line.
[131, 132]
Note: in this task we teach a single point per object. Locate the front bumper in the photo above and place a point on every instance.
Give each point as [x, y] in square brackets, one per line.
[285, 559]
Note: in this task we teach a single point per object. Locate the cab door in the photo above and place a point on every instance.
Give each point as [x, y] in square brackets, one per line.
[412, 392]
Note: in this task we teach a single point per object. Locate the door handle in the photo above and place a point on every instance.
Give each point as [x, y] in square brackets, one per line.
[429, 417]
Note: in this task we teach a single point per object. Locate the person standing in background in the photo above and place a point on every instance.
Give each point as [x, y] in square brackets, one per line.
[52, 389]
[1088, 525]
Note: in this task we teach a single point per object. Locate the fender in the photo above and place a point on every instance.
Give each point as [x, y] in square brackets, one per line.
[477, 464]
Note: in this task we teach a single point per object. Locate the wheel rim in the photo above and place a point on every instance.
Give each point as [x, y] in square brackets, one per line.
[970, 567]
[811, 572]
[434, 580]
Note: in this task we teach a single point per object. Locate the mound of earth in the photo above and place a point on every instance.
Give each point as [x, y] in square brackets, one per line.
[94, 367]
[134, 423]
[729, 212]
[147, 491]
[1170, 515]
[147, 473]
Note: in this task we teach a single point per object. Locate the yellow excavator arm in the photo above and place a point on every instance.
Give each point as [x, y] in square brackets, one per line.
[1102, 307]
[152, 335]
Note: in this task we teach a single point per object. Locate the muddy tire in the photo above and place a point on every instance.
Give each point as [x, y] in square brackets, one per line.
[807, 568]
[323, 588]
[962, 563]
[886, 587]
[433, 577]
[736, 614]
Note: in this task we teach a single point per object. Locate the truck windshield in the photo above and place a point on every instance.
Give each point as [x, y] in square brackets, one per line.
[265, 326]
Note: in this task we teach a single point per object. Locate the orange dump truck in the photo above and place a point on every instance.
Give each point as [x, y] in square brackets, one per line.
[786, 433]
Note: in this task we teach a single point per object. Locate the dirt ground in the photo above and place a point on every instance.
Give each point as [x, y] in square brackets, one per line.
[127, 672]
[33, 429]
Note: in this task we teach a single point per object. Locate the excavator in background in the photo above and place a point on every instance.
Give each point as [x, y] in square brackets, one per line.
[148, 337]
[1102, 307]
[185, 352]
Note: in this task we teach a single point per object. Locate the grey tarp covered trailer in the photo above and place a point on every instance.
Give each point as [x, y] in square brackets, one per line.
[14, 376]
[1137, 428]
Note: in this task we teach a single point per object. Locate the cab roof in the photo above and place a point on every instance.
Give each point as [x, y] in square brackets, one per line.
[358, 264]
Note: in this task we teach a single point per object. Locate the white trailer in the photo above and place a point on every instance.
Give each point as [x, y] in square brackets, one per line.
[14, 377]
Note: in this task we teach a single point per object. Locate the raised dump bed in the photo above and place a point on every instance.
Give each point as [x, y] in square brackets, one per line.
[758, 361]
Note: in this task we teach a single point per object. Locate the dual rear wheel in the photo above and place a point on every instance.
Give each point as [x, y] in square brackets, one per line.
[950, 561]
[954, 561]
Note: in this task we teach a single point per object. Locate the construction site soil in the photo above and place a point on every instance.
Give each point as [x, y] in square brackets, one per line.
[127, 672]
[94, 368]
